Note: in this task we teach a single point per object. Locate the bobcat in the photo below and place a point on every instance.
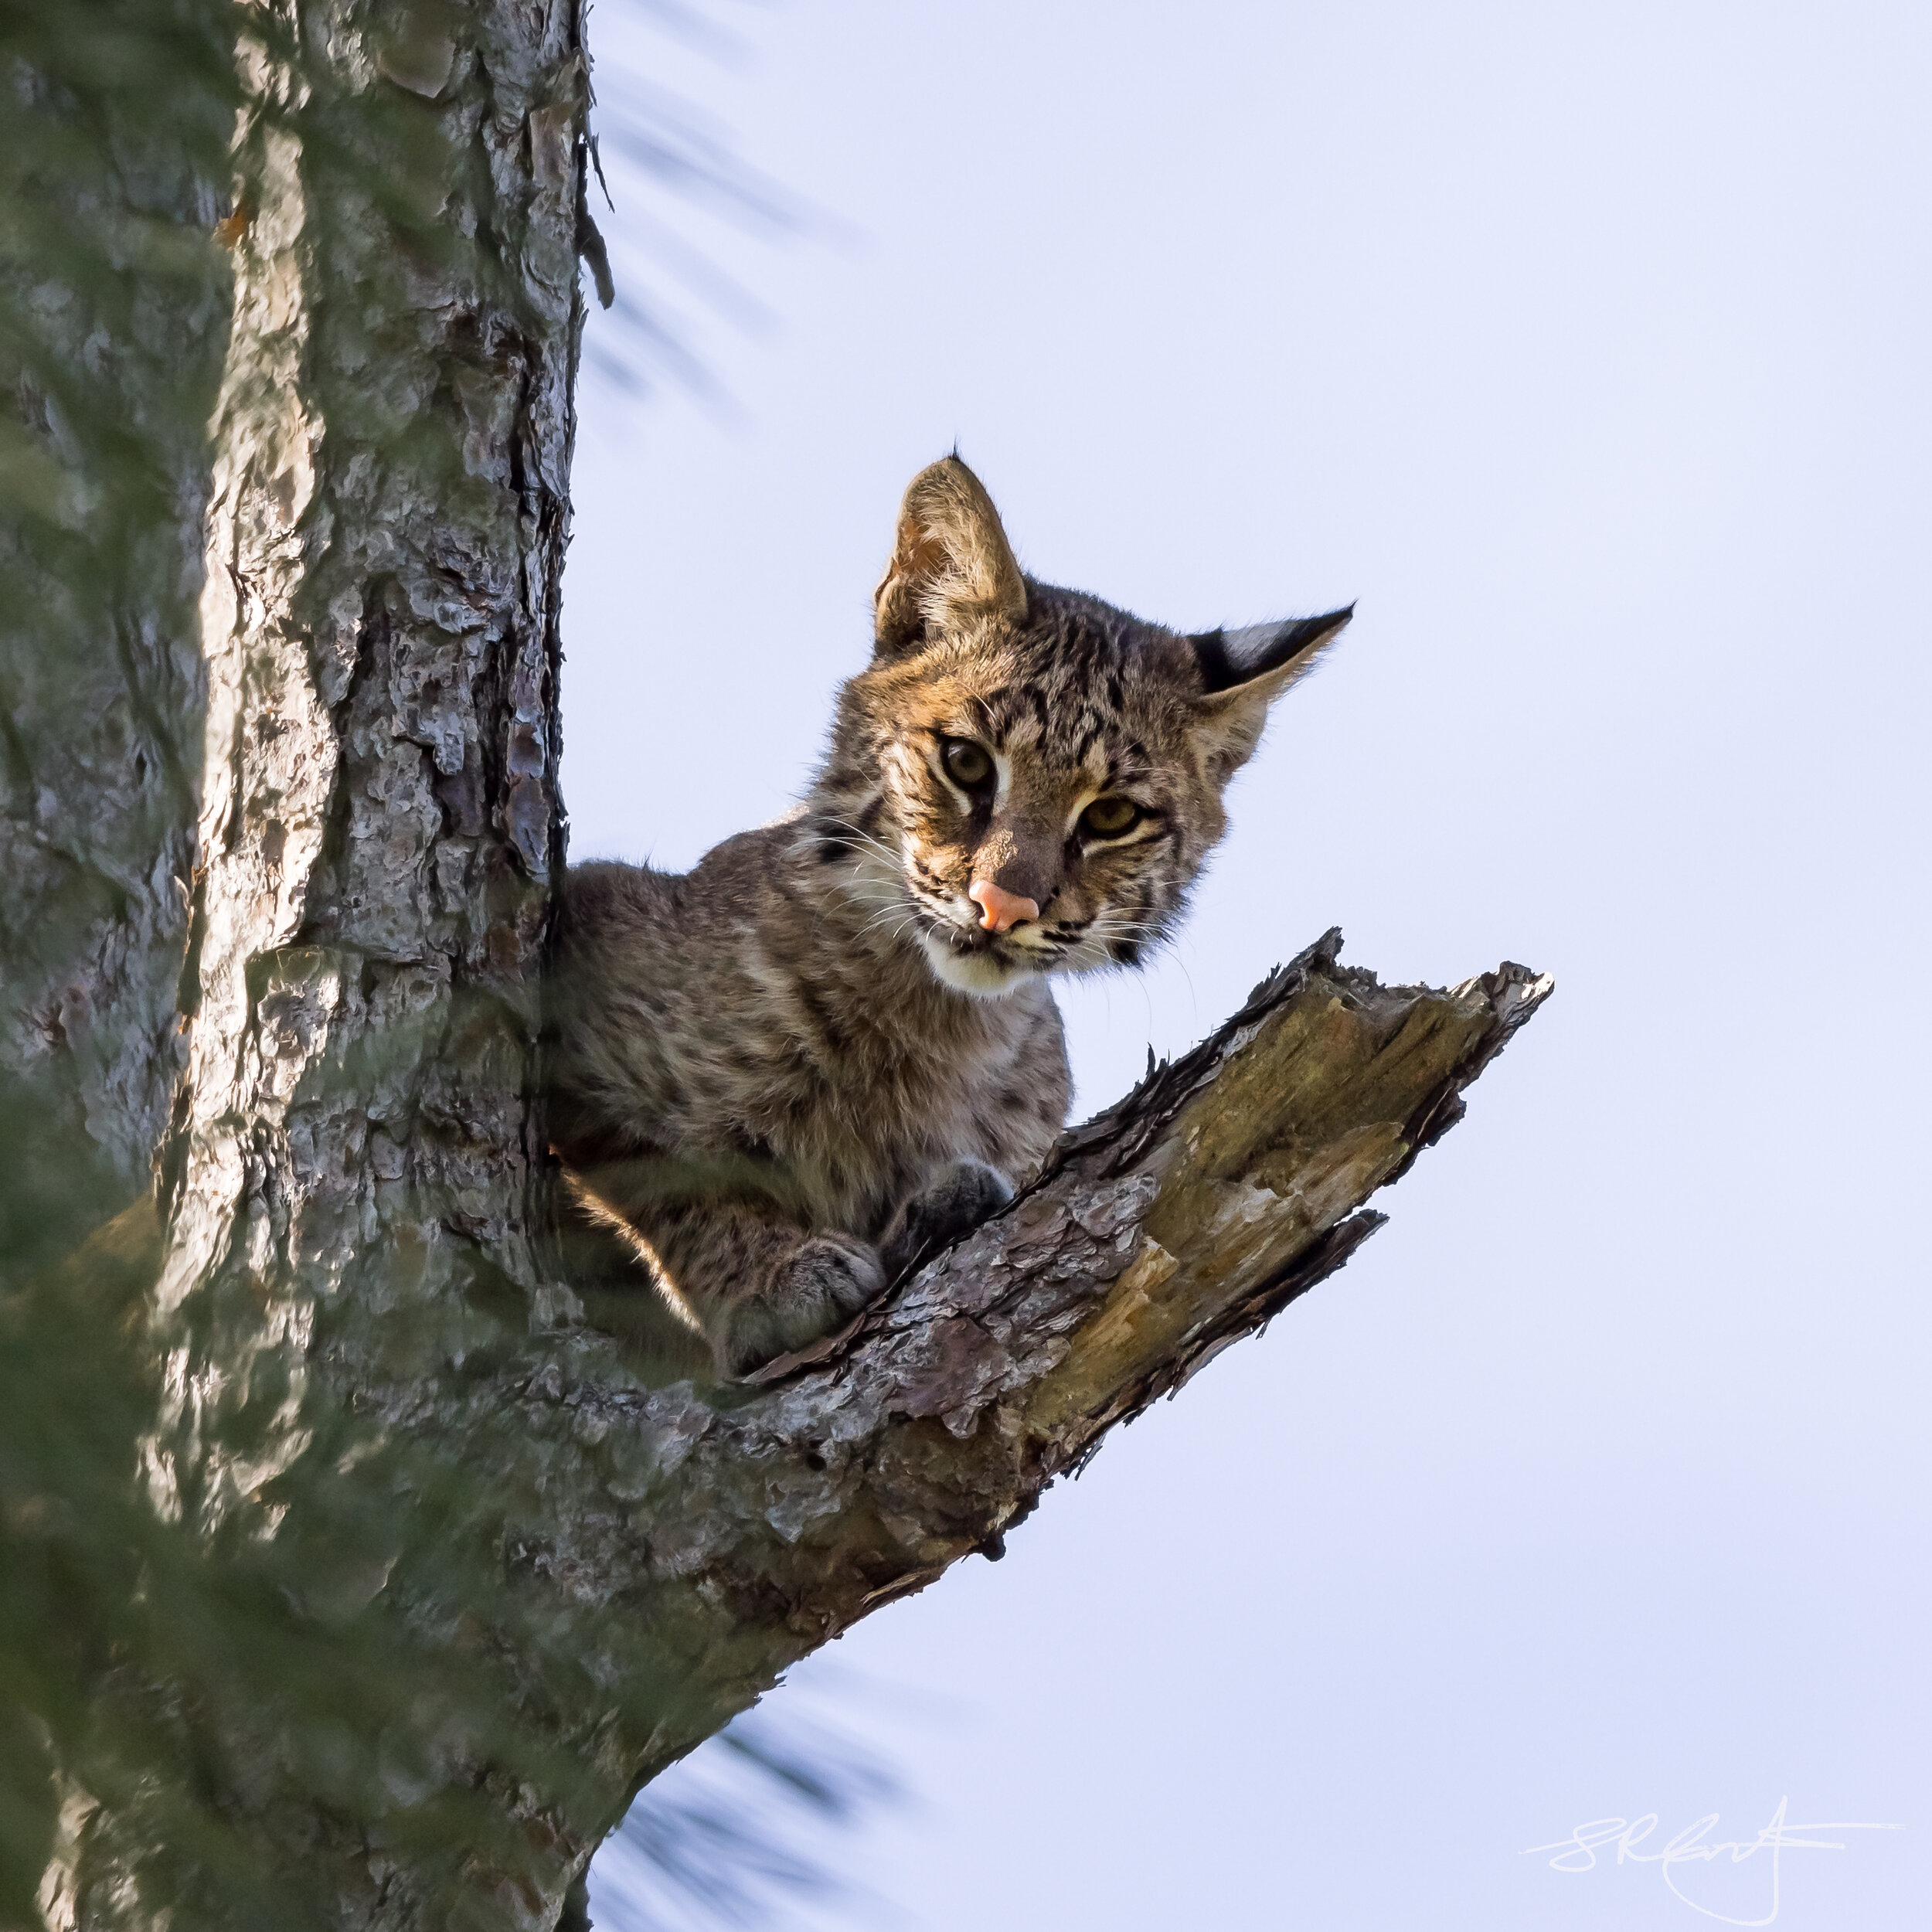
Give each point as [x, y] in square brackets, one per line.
[787, 1077]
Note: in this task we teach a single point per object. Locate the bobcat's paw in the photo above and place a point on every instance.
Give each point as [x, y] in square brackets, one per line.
[954, 1205]
[817, 1288]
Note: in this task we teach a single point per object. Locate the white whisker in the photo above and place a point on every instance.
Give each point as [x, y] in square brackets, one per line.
[815, 830]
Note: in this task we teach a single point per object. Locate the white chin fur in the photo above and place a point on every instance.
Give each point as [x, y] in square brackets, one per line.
[978, 973]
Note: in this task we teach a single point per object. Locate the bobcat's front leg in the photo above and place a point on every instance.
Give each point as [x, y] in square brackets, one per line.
[812, 1286]
[953, 1205]
[754, 1284]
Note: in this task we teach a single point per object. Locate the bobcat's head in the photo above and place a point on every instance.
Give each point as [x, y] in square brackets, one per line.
[1026, 780]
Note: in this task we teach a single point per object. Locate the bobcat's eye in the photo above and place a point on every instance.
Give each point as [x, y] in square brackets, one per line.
[1108, 818]
[966, 764]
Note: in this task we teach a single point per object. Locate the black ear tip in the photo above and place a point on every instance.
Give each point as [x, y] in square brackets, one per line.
[1295, 638]
[1227, 658]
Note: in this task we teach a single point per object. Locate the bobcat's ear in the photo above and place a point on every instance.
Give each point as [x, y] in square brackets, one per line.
[951, 561]
[1244, 672]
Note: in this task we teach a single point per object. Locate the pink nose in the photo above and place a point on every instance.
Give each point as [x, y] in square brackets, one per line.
[1002, 909]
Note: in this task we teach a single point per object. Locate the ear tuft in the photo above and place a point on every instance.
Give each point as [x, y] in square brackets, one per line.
[951, 561]
[1231, 658]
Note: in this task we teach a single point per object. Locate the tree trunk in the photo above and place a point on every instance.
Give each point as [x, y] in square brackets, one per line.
[328, 830]
[372, 1581]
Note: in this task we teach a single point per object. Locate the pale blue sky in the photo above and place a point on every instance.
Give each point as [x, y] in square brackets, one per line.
[1588, 350]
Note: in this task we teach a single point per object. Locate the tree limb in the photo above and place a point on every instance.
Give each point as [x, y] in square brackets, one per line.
[750, 1529]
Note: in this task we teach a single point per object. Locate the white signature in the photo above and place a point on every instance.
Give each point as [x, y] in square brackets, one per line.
[1578, 1851]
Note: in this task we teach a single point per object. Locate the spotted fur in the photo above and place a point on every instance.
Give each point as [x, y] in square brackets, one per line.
[787, 1076]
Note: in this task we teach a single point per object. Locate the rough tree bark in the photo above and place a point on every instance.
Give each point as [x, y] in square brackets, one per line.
[437, 1577]
[113, 308]
[112, 330]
